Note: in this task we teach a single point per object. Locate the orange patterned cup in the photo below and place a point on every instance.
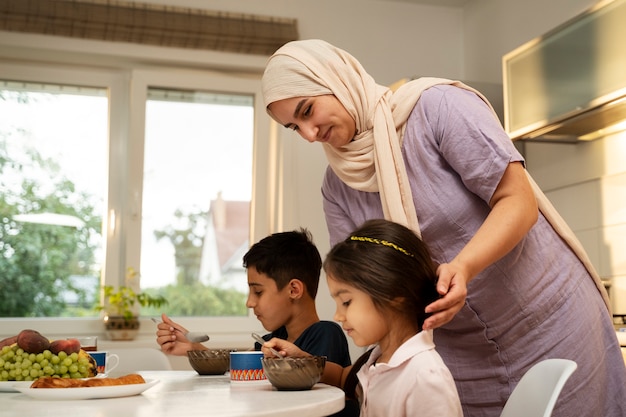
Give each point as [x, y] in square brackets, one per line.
[246, 366]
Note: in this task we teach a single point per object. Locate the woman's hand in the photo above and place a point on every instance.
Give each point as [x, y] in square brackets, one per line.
[452, 286]
[283, 347]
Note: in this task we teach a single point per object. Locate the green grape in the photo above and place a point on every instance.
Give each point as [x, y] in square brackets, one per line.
[17, 365]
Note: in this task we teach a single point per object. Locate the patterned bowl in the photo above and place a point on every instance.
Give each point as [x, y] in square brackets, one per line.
[294, 374]
[209, 362]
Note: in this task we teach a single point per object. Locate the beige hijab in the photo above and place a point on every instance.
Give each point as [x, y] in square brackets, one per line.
[373, 160]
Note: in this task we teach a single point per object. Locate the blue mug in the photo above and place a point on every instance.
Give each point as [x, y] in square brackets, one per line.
[105, 361]
[246, 366]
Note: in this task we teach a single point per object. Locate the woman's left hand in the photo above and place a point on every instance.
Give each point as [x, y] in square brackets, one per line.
[452, 285]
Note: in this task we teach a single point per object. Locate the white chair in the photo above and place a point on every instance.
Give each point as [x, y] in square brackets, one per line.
[536, 393]
[132, 360]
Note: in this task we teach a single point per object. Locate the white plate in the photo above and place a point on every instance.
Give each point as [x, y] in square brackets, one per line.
[10, 386]
[87, 393]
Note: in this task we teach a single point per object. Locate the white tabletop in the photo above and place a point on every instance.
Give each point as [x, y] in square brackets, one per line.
[186, 394]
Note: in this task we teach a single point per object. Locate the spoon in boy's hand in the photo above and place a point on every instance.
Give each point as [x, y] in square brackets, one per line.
[193, 337]
[262, 341]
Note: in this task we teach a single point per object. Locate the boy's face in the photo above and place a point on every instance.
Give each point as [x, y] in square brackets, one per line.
[270, 305]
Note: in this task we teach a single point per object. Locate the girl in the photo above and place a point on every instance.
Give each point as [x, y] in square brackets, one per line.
[382, 278]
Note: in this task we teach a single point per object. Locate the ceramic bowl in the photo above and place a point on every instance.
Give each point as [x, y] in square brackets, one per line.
[209, 362]
[294, 374]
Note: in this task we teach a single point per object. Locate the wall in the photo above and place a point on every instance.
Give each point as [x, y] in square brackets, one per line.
[585, 181]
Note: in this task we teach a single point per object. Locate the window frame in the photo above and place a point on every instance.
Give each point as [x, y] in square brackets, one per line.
[127, 93]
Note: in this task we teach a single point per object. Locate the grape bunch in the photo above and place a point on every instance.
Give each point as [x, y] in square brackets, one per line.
[18, 365]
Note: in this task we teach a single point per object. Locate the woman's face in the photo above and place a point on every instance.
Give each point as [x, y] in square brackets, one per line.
[316, 119]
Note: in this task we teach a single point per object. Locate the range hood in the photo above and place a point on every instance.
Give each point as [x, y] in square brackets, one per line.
[569, 84]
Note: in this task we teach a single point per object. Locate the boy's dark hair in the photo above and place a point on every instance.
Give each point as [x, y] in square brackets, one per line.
[390, 263]
[285, 256]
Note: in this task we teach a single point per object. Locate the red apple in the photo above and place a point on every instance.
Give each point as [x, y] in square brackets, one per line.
[68, 346]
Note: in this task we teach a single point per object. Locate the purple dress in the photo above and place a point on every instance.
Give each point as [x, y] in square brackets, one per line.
[537, 302]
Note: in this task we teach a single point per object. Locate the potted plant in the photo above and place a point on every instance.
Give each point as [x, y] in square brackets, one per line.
[120, 306]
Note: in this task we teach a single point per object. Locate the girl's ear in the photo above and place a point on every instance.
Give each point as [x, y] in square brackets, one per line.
[296, 288]
[398, 303]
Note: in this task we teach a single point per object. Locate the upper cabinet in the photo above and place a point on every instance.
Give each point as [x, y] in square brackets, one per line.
[569, 84]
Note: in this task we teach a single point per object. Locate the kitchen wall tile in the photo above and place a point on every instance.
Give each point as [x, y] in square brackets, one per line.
[613, 258]
[613, 193]
[579, 204]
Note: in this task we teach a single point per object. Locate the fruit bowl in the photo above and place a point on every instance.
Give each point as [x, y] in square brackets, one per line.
[209, 362]
[294, 374]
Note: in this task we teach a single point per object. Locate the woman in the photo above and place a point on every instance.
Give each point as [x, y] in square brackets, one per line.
[516, 285]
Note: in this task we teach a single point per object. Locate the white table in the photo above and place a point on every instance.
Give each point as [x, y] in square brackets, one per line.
[186, 394]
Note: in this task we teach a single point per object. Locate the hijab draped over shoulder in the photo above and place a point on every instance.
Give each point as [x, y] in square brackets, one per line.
[373, 160]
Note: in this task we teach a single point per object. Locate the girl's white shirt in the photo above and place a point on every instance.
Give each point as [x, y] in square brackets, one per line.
[414, 382]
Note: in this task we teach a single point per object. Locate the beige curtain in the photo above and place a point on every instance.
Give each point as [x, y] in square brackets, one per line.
[169, 26]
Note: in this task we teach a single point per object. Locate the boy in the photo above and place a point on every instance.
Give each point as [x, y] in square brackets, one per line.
[283, 276]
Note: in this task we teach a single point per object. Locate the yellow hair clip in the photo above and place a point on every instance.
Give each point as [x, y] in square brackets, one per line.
[382, 242]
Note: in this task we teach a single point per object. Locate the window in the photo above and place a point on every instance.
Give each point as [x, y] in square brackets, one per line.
[136, 218]
[53, 183]
[197, 187]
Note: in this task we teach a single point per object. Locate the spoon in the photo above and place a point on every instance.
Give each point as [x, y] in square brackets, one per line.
[193, 337]
[262, 341]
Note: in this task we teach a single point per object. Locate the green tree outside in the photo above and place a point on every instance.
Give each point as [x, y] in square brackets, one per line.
[38, 261]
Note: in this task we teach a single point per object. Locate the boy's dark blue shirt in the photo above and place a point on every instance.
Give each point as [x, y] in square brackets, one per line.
[324, 338]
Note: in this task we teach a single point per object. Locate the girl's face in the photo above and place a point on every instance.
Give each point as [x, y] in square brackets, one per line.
[359, 317]
[271, 306]
[316, 119]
